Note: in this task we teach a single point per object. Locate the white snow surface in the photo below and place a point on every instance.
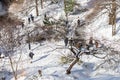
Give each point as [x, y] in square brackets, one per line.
[47, 59]
[47, 56]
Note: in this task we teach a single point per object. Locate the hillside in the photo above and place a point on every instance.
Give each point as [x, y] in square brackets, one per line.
[51, 46]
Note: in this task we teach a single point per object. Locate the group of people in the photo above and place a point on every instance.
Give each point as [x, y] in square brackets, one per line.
[91, 43]
[69, 42]
[30, 18]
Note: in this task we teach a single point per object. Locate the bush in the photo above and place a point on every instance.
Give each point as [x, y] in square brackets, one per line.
[65, 60]
[68, 59]
[36, 38]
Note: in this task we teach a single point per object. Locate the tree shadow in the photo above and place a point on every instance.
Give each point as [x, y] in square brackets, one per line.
[40, 58]
[118, 19]
[106, 77]
[5, 74]
[118, 29]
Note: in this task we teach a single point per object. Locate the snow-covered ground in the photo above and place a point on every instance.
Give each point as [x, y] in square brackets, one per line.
[100, 29]
[48, 54]
[47, 58]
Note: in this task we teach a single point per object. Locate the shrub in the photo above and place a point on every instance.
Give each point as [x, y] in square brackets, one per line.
[65, 60]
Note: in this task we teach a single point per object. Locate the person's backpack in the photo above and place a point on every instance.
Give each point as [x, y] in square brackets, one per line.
[31, 54]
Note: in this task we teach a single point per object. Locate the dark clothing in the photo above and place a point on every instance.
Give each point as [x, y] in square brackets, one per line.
[87, 53]
[78, 22]
[29, 20]
[80, 46]
[3, 78]
[66, 41]
[31, 54]
[22, 24]
[87, 47]
[96, 44]
[32, 18]
[91, 42]
[71, 42]
[45, 16]
[0, 54]
[66, 23]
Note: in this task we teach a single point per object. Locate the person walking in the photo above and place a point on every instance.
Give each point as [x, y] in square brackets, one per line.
[22, 24]
[71, 42]
[78, 22]
[66, 41]
[66, 23]
[91, 42]
[31, 54]
[32, 18]
[29, 20]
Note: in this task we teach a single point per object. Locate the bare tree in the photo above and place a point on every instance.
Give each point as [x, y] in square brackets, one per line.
[77, 53]
[113, 13]
[36, 6]
[10, 41]
[111, 7]
[41, 3]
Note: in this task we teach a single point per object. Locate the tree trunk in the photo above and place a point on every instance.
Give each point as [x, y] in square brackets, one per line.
[68, 71]
[41, 4]
[29, 45]
[14, 73]
[65, 10]
[37, 13]
[113, 10]
[110, 18]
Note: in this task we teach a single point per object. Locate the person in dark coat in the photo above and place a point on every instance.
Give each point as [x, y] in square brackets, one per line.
[22, 24]
[31, 54]
[78, 22]
[66, 41]
[96, 43]
[87, 47]
[66, 23]
[32, 17]
[71, 42]
[45, 16]
[80, 46]
[29, 20]
[91, 42]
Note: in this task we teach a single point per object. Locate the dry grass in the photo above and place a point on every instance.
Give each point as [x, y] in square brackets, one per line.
[9, 20]
[15, 7]
[96, 9]
[66, 59]
[94, 13]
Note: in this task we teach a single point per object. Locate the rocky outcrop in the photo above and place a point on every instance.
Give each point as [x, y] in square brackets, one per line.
[4, 6]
